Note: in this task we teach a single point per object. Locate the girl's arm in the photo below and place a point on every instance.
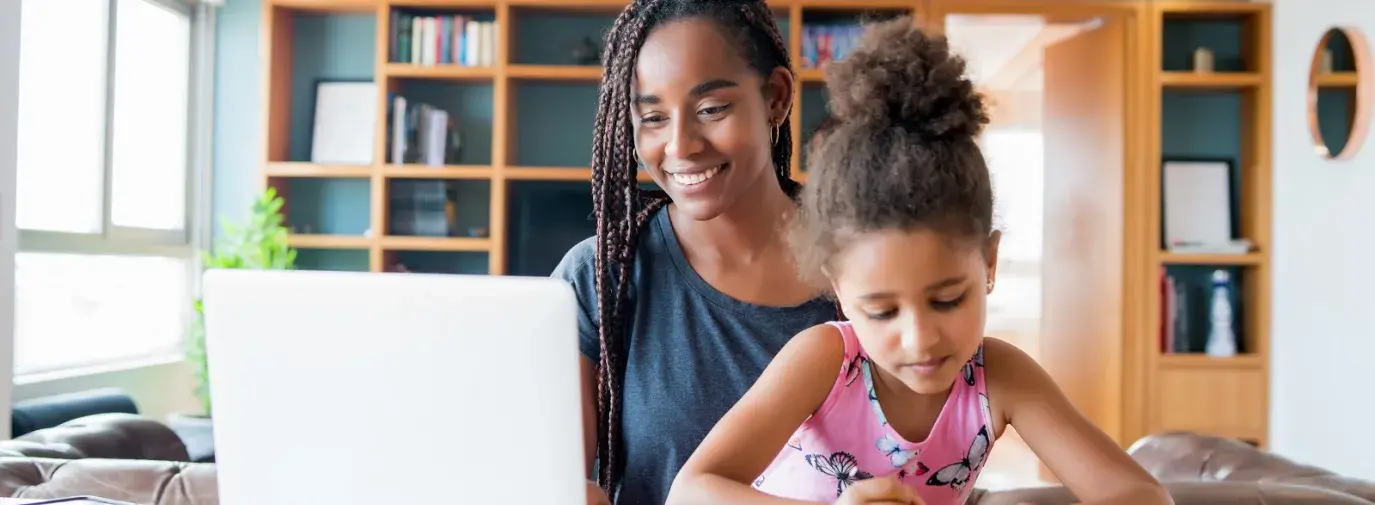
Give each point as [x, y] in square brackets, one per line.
[1089, 463]
[748, 438]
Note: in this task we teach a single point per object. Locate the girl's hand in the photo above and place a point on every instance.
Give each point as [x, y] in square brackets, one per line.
[879, 491]
[595, 495]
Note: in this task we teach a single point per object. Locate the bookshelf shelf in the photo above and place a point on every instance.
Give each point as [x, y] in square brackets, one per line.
[1220, 80]
[555, 72]
[298, 169]
[1249, 259]
[440, 72]
[312, 241]
[1338, 80]
[443, 4]
[850, 5]
[403, 243]
[811, 75]
[1240, 361]
[441, 172]
[573, 5]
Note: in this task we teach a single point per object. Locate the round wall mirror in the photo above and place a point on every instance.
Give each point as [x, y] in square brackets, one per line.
[1339, 93]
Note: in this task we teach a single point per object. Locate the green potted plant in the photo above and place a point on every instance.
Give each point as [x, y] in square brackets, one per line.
[261, 244]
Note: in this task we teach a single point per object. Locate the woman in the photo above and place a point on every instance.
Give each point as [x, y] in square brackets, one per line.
[698, 92]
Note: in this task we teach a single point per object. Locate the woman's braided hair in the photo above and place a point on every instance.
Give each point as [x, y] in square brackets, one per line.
[621, 207]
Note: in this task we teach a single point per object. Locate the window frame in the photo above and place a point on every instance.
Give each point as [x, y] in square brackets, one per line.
[114, 240]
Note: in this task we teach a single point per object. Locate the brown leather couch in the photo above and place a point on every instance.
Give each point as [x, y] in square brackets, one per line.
[117, 456]
[129, 458]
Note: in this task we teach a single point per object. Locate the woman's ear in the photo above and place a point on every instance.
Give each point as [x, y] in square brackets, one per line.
[780, 94]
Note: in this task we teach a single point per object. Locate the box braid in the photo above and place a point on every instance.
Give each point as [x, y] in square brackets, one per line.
[621, 207]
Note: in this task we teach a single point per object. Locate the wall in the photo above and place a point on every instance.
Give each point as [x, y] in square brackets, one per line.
[1322, 331]
[9, 119]
[238, 137]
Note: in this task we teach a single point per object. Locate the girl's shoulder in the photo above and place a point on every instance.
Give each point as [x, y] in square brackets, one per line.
[1006, 372]
[828, 349]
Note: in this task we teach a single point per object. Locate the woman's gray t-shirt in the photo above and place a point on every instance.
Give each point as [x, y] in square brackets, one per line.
[693, 352]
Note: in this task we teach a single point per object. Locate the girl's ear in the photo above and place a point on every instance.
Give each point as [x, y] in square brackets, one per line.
[991, 255]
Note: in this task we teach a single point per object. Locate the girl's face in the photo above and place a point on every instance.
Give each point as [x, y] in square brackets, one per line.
[702, 117]
[916, 300]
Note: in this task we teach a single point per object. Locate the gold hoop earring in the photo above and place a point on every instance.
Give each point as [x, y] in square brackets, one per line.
[773, 133]
[990, 286]
[635, 154]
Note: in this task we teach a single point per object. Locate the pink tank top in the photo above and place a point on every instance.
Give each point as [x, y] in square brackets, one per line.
[848, 440]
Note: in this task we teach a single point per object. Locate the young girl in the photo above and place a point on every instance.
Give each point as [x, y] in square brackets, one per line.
[903, 403]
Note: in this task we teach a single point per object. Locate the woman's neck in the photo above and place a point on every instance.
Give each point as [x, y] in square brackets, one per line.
[747, 231]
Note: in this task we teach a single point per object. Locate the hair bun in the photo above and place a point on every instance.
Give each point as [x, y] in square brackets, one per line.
[900, 76]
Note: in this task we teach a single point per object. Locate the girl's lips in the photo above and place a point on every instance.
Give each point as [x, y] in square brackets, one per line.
[927, 367]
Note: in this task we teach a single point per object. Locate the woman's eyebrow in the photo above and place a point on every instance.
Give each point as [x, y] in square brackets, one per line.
[712, 85]
[700, 89]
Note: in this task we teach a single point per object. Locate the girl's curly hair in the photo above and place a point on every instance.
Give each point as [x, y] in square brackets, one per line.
[902, 153]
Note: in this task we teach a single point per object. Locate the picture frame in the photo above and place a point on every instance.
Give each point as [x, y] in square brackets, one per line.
[343, 122]
[1198, 201]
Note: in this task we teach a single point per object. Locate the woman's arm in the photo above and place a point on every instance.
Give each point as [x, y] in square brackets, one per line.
[750, 435]
[1089, 463]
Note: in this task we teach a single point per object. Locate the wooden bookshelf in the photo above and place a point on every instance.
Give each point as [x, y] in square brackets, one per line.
[527, 69]
[529, 151]
[1231, 106]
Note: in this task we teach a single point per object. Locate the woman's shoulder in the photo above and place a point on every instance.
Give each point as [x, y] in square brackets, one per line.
[579, 258]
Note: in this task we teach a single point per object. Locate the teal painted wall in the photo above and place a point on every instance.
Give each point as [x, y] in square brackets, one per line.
[237, 132]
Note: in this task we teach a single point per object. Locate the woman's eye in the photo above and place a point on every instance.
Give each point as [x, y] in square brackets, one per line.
[714, 110]
[652, 119]
[946, 305]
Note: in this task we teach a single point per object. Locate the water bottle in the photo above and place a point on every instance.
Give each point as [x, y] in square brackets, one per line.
[1222, 342]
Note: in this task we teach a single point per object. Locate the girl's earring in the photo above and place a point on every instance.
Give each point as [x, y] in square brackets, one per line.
[773, 133]
[635, 153]
[990, 286]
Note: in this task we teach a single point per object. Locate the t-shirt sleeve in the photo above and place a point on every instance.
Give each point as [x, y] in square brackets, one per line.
[578, 268]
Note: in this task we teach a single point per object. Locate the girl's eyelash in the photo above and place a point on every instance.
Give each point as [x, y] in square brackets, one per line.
[947, 304]
[887, 314]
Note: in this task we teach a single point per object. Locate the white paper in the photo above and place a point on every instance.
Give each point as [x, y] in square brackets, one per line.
[1198, 202]
[345, 117]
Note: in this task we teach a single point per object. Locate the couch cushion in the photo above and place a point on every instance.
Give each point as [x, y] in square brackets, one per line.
[1186, 493]
[137, 481]
[1183, 456]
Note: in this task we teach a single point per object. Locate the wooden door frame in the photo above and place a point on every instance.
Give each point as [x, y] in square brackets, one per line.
[1140, 46]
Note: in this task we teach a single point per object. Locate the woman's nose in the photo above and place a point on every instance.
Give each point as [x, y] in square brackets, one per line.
[685, 141]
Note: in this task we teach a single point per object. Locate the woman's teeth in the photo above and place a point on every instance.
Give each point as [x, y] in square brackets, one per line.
[695, 179]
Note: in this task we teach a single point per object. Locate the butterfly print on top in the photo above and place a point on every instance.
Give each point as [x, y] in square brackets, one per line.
[968, 370]
[848, 439]
[956, 475]
[853, 368]
[840, 465]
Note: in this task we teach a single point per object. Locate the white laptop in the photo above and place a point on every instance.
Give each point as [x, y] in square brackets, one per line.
[340, 388]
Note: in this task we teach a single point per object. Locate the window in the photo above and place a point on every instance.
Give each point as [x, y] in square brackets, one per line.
[105, 258]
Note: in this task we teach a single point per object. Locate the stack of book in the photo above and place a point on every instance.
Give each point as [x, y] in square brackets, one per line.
[421, 134]
[825, 43]
[442, 40]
